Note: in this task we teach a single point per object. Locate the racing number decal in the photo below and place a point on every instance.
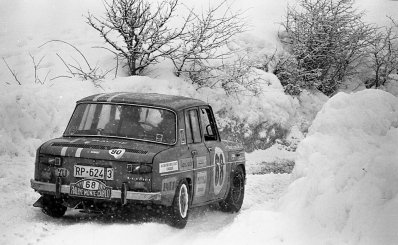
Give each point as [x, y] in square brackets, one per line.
[117, 153]
[219, 170]
[219, 175]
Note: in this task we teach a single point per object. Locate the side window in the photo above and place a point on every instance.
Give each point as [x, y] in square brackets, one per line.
[192, 126]
[208, 124]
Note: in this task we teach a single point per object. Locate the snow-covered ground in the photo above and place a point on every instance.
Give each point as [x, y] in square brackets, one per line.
[20, 223]
[342, 191]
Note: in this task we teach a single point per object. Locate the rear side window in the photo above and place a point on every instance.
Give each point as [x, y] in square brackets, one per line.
[192, 126]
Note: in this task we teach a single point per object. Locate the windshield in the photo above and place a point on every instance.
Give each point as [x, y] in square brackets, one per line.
[126, 121]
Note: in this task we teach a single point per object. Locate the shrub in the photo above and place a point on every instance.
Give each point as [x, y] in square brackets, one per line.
[327, 40]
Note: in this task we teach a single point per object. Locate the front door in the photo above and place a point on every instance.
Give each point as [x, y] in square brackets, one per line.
[200, 155]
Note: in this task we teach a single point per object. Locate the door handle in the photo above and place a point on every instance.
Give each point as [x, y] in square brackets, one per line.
[194, 153]
[210, 148]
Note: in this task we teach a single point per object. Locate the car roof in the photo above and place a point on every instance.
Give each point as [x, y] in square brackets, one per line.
[151, 99]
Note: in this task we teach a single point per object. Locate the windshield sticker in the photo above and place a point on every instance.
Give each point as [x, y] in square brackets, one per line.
[201, 180]
[117, 153]
[186, 164]
[168, 167]
[219, 170]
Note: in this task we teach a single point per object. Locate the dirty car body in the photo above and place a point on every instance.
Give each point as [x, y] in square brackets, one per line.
[122, 149]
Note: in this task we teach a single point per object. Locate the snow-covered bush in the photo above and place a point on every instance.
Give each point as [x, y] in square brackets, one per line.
[382, 57]
[145, 31]
[327, 39]
[204, 40]
[346, 170]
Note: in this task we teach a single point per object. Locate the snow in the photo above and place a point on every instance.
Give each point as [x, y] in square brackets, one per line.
[23, 224]
[347, 167]
[343, 189]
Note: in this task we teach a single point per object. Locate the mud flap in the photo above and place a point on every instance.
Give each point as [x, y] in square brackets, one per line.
[58, 183]
[38, 203]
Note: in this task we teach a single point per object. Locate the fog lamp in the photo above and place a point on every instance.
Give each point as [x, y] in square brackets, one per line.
[45, 174]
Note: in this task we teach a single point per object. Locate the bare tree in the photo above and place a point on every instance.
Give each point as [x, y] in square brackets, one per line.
[207, 33]
[328, 39]
[144, 30]
[76, 69]
[383, 60]
[37, 67]
[237, 76]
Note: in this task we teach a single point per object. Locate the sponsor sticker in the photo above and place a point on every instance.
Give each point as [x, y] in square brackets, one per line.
[169, 185]
[201, 162]
[117, 153]
[168, 166]
[159, 137]
[61, 172]
[90, 188]
[182, 137]
[201, 180]
[186, 164]
[232, 145]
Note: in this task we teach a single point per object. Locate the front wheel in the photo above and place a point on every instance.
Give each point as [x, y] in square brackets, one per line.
[180, 208]
[53, 207]
[236, 193]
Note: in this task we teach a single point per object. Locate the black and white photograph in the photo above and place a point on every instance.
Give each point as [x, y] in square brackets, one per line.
[199, 122]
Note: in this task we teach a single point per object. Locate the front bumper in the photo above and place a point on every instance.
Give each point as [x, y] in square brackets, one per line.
[123, 194]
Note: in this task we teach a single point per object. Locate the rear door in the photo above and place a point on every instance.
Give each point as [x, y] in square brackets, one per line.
[200, 155]
[219, 167]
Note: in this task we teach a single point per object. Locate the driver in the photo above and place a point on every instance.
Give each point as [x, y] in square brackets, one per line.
[129, 122]
[167, 127]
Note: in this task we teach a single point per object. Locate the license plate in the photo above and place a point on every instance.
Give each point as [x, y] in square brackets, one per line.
[93, 172]
[90, 188]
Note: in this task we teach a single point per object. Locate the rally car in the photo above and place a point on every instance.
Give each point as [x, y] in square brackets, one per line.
[123, 149]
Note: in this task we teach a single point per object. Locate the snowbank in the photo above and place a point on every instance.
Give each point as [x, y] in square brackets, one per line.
[346, 171]
[34, 113]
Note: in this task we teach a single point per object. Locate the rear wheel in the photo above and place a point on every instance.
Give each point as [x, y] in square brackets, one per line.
[179, 210]
[53, 207]
[236, 193]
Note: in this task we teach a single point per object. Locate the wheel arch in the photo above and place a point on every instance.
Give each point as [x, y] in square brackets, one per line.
[190, 189]
[241, 165]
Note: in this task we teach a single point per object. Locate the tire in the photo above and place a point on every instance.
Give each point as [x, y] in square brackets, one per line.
[233, 202]
[53, 207]
[180, 208]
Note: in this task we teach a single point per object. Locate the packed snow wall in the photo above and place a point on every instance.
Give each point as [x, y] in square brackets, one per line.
[346, 174]
[34, 113]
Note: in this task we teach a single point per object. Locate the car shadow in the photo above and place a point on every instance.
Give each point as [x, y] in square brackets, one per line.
[198, 217]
